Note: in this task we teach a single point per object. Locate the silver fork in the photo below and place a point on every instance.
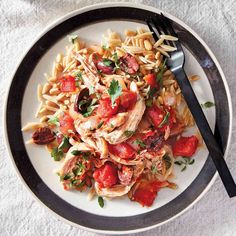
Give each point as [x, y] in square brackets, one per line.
[162, 25]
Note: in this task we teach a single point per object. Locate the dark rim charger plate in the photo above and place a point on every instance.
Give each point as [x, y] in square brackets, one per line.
[33, 180]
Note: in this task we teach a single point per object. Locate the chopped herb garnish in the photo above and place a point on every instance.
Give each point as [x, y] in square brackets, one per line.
[160, 74]
[76, 152]
[78, 77]
[79, 169]
[154, 169]
[83, 102]
[64, 143]
[114, 91]
[91, 89]
[72, 38]
[76, 183]
[207, 104]
[107, 62]
[89, 111]
[179, 163]
[116, 60]
[67, 176]
[100, 124]
[184, 162]
[128, 133]
[54, 121]
[167, 161]
[57, 154]
[101, 202]
[90, 108]
[149, 102]
[140, 143]
[152, 92]
[84, 155]
[191, 162]
[165, 120]
[105, 47]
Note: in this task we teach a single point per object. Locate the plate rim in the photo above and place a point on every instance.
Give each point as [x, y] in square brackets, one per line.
[106, 5]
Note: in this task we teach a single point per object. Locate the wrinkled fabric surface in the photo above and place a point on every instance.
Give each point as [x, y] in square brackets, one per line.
[20, 23]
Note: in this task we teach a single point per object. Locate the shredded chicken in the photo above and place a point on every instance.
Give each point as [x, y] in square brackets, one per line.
[133, 118]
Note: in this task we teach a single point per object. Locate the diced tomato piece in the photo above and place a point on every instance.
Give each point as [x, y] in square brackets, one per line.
[128, 99]
[148, 134]
[105, 109]
[185, 146]
[66, 124]
[106, 176]
[157, 116]
[68, 84]
[122, 150]
[146, 192]
[151, 80]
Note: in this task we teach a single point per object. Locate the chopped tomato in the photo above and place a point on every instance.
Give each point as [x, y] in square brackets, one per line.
[128, 99]
[122, 150]
[66, 124]
[146, 192]
[68, 84]
[105, 109]
[151, 80]
[185, 146]
[106, 176]
[161, 118]
[156, 115]
[148, 134]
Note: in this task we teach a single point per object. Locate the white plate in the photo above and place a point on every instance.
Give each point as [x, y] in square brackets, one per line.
[45, 167]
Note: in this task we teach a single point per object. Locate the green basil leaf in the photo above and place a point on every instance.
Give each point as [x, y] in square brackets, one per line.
[184, 168]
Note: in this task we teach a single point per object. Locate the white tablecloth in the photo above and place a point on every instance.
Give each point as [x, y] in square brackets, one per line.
[21, 21]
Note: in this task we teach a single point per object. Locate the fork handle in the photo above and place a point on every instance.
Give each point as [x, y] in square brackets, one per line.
[205, 130]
